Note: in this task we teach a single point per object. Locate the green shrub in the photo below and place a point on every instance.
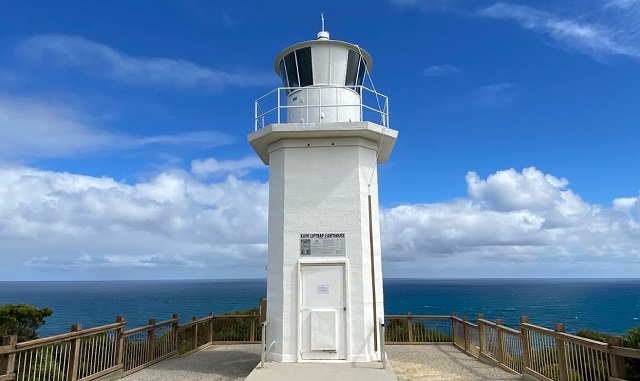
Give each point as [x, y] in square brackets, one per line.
[632, 340]
[593, 335]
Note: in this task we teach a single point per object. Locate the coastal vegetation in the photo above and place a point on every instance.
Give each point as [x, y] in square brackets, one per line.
[22, 320]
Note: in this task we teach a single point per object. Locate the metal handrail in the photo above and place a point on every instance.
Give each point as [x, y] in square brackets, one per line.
[383, 352]
[260, 117]
[263, 355]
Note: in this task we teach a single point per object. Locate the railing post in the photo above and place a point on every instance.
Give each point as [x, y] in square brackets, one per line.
[383, 351]
[174, 332]
[252, 333]
[500, 341]
[526, 344]
[8, 360]
[211, 317]
[617, 362]
[278, 110]
[453, 325]
[151, 335]
[467, 335]
[481, 339]
[410, 326]
[563, 371]
[195, 333]
[119, 342]
[74, 354]
[255, 118]
[263, 310]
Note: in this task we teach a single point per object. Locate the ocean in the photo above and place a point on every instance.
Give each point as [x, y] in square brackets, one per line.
[606, 305]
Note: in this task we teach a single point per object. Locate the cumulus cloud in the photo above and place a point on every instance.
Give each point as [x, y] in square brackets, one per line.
[102, 61]
[44, 128]
[60, 221]
[212, 166]
[513, 221]
[177, 224]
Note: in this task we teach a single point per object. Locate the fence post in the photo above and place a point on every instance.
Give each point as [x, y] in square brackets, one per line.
[151, 342]
[500, 341]
[174, 332]
[563, 370]
[263, 310]
[74, 354]
[119, 342]
[210, 327]
[195, 333]
[8, 360]
[617, 362]
[481, 339]
[252, 333]
[453, 325]
[526, 344]
[467, 335]
[410, 326]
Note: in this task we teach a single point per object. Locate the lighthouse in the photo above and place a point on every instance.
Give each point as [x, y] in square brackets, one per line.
[323, 141]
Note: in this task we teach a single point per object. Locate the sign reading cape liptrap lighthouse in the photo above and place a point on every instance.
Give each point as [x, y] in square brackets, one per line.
[322, 244]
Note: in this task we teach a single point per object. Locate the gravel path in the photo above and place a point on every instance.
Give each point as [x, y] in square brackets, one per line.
[410, 363]
[441, 363]
[216, 363]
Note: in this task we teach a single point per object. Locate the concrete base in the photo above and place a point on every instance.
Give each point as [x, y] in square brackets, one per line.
[274, 371]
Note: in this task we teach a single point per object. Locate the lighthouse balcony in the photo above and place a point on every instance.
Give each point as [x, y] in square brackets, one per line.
[321, 104]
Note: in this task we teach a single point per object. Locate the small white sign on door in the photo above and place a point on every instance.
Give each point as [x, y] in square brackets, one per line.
[323, 289]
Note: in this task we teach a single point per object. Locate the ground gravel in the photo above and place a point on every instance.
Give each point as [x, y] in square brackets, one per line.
[410, 363]
[216, 363]
[441, 363]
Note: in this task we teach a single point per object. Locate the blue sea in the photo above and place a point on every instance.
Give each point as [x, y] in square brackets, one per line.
[606, 305]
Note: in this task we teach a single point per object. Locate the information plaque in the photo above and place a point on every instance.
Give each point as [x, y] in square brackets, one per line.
[322, 245]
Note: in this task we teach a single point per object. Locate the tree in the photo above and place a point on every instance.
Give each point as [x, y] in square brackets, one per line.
[22, 320]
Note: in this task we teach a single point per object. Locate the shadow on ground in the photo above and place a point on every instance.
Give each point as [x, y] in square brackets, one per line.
[216, 363]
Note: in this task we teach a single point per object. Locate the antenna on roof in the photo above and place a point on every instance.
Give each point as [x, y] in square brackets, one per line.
[323, 34]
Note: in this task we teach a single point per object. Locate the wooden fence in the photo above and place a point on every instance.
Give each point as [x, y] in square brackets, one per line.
[536, 353]
[111, 351]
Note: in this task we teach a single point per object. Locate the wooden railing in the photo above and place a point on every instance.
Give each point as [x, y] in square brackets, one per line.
[536, 353]
[539, 353]
[84, 355]
[408, 329]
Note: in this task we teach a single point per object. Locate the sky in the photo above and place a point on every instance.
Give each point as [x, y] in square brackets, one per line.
[123, 124]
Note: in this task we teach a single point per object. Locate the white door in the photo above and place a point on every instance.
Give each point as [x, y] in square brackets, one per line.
[323, 312]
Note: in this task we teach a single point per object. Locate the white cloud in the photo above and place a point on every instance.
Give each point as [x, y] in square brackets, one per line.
[614, 33]
[59, 221]
[105, 62]
[44, 128]
[513, 224]
[494, 95]
[212, 166]
[441, 70]
[624, 4]
[177, 224]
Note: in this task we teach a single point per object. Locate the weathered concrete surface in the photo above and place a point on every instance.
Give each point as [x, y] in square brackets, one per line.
[322, 372]
[216, 363]
[410, 363]
[441, 363]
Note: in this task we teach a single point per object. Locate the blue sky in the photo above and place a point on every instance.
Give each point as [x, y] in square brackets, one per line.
[123, 126]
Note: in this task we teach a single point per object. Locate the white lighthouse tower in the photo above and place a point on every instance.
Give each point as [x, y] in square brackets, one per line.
[323, 144]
